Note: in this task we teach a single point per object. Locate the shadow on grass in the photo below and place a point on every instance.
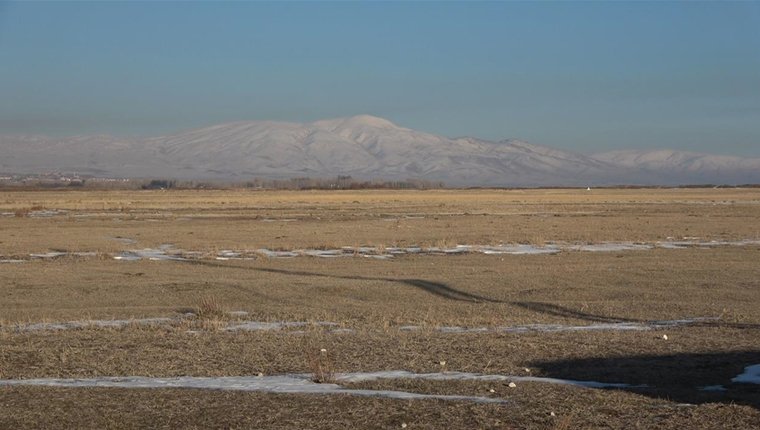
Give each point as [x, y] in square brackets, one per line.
[562, 311]
[676, 377]
[436, 288]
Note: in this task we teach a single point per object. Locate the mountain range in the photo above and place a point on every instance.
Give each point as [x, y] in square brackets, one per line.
[364, 147]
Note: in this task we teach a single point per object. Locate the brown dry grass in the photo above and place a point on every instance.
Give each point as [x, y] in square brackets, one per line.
[319, 360]
[375, 297]
[468, 290]
[211, 220]
[209, 308]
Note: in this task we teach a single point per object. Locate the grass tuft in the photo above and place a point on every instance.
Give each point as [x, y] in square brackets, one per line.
[209, 308]
[320, 362]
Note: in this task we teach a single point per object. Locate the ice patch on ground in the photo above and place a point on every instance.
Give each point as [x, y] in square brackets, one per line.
[277, 325]
[58, 254]
[291, 384]
[52, 254]
[227, 254]
[751, 375]
[168, 322]
[324, 253]
[166, 253]
[465, 376]
[552, 328]
[681, 244]
[303, 384]
[519, 249]
[73, 325]
[511, 249]
[46, 213]
[153, 254]
[609, 247]
[276, 254]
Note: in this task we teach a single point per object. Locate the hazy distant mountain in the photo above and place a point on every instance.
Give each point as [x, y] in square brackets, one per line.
[688, 167]
[364, 147]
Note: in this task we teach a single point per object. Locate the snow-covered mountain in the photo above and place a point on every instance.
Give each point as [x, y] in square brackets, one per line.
[364, 147]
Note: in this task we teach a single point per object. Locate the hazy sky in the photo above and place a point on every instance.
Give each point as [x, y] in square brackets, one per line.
[582, 76]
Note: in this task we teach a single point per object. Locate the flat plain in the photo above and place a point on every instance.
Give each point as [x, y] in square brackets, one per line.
[570, 308]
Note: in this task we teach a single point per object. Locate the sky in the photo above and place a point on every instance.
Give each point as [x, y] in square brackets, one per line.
[581, 76]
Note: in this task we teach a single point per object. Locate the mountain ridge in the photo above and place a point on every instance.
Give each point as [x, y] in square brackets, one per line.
[365, 147]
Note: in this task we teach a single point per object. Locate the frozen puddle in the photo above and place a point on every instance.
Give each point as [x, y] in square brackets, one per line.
[303, 384]
[160, 254]
[553, 328]
[751, 375]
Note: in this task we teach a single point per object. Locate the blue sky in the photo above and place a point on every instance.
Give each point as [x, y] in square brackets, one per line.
[584, 76]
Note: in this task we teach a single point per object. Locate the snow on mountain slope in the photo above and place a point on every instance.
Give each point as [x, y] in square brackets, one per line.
[669, 159]
[362, 146]
[689, 167]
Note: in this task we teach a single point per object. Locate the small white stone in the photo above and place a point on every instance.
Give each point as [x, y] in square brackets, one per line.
[553, 414]
[322, 350]
[526, 370]
[491, 390]
[665, 336]
[512, 385]
[442, 363]
[403, 425]
[260, 375]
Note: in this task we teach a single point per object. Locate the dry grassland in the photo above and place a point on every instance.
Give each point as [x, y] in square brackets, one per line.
[376, 300]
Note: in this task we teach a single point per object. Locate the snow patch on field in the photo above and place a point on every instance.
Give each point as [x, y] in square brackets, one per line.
[279, 325]
[239, 325]
[298, 383]
[303, 383]
[74, 325]
[154, 254]
[466, 376]
[167, 253]
[551, 328]
[248, 325]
